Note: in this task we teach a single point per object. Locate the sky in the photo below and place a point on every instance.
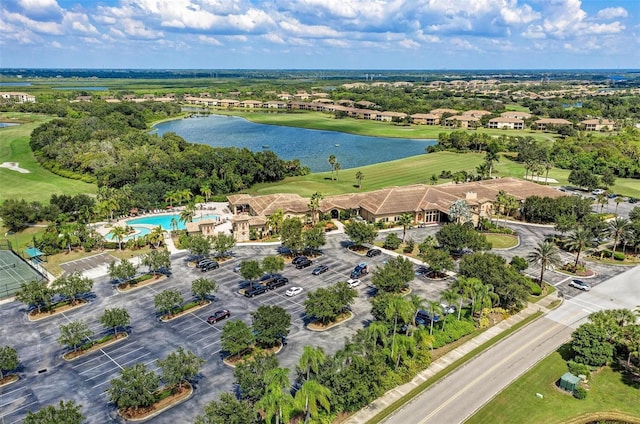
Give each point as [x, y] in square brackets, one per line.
[320, 34]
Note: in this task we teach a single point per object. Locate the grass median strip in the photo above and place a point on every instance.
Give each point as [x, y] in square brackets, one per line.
[450, 368]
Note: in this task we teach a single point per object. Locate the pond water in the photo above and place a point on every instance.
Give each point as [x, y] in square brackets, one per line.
[83, 88]
[15, 84]
[7, 124]
[312, 147]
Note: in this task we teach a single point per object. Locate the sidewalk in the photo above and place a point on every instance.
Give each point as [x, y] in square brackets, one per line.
[378, 405]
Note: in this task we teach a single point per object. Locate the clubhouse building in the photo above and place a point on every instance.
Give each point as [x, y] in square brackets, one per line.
[428, 204]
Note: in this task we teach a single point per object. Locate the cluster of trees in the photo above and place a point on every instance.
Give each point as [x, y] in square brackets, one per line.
[170, 301]
[156, 260]
[269, 326]
[108, 144]
[38, 294]
[199, 245]
[326, 304]
[77, 334]
[296, 238]
[138, 387]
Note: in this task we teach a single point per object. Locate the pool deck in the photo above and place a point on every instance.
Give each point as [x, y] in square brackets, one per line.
[219, 208]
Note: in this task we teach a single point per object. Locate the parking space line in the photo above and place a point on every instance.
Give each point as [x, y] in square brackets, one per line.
[112, 360]
[93, 368]
[562, 281]
[8, 393]
[128, 353]
[15, 400]
[18, 409]
[211, 344]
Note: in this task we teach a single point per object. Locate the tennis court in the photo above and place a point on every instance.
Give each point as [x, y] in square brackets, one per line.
[14, 271]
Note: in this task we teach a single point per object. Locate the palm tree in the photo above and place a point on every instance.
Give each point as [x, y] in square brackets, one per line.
[68, 237]
[404, 346]
[184, 195]
[274, 221]
[187, 214]
[277, 401]
[311, 395]
[617, 228]
[418, 303]
[602, 200]
[332, 162]
[577, 241]
[490, 157]
[171, 196]
[311, 359]
[377, 332]
[206, 192]
[405, 220]
[398, 307]
[156, 236]
[359, 178]
[547, 255]
[119, 232]
[314, 206]
[337, 167]
[174, 224]
[618, 200]
[451, 297]
[434, 309]
[486, 297]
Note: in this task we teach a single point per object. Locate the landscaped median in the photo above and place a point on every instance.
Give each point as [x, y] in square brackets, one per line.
[184, 310]
[94, 345]
[139, 282]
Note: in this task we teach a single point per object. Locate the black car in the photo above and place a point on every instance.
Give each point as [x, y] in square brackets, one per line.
[299, 259]
[320, 269]
[633, 200]
[373, 252]
[303, 263]
[277, 282]
[424, 318]
[203, 262]
[209, 266]
[218, 316]
[255, 290]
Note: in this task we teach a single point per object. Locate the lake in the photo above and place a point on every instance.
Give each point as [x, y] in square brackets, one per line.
[312, 147]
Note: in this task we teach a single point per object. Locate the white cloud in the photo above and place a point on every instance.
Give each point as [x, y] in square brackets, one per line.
[137, 29]
[612, 13]
[55, 44]
[42, 10]
[209, 40]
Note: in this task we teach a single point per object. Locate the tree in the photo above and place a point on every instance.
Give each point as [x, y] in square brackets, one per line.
[250, 270]
[398, 308]
[459, 212]
[332, 162]
[66, 413]
[584, 178]
[337, 167]
[135, 387]
[313, 238]
[439, 261]
[314, 206]
[618, 200]
[275, 220]
[460, 236]
[591, 345]
[565, 223]
[546, 255]
[228, 410]
[203, 287]
[73, 285]
[405, 220]
[312, 395]
[119, 233]
[168, 301]
[311, 360]
[359, 178]
[236, 338]
[198, 245]
[250, 376]
[222, 243]
[291, 234]
[8, 360]
[115, 318]
[394, 275]
[156, 260]
[577, 241]
[450, 297]
[74, 334]
[123, 270]
[276, 402]
[68, 237]
[617, 228]
[360, 232]
[35, 293]
[325, 304]
[272, 264]
[270, 324]
[206, 192]
[492, 156]
[392, 241]
[155, 237]
[179, 366]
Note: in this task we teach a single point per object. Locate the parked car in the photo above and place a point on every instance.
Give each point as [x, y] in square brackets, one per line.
[255, 290]
[424, 318]
[237, 268]
[598, 191]
[277, 282]
[203, 262]
[633, 200]
[448, 309]
[303, 264]
[209, 266]
[218, 316]
[373, 252]
[299, 259]
[421, 271]
[612, 195]
[580, 285]
[293, 291]
[360, 270]
[353, 282]
[320, 269]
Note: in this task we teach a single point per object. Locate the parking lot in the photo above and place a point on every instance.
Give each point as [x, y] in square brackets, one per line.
[46, 378]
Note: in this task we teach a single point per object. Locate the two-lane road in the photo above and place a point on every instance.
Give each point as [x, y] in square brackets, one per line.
[461, 393]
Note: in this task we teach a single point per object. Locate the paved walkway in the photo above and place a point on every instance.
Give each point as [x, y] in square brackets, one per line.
[377, 406]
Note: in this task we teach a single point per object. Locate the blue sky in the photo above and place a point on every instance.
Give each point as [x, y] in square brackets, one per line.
[320, 34]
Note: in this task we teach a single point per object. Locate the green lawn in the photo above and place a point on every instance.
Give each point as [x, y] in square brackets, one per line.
[502, 241]
[39, 183]
[518, 402]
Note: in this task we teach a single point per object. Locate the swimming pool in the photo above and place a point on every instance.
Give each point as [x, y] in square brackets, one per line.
[139, 232]
[165, 221]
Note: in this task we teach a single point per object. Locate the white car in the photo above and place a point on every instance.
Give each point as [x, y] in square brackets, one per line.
[353, 282]
[293, 291]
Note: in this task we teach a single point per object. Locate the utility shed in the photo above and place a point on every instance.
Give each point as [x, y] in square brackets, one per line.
[569, 382]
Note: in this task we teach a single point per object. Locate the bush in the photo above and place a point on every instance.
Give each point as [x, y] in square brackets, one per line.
[580, 393]
[519, 264]
[392, 242]
[453, 331]
[579, 369]
[408, 248]
[606, 253]
[534, 288]
[618, 256]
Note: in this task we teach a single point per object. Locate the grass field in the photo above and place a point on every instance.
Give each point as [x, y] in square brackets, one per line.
[39, 183]
[518, 402]
[502, 241]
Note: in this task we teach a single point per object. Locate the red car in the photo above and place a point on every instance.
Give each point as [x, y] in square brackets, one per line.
[218, 316]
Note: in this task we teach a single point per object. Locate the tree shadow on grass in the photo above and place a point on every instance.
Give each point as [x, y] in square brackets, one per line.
[629, 375]
[565, 352]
